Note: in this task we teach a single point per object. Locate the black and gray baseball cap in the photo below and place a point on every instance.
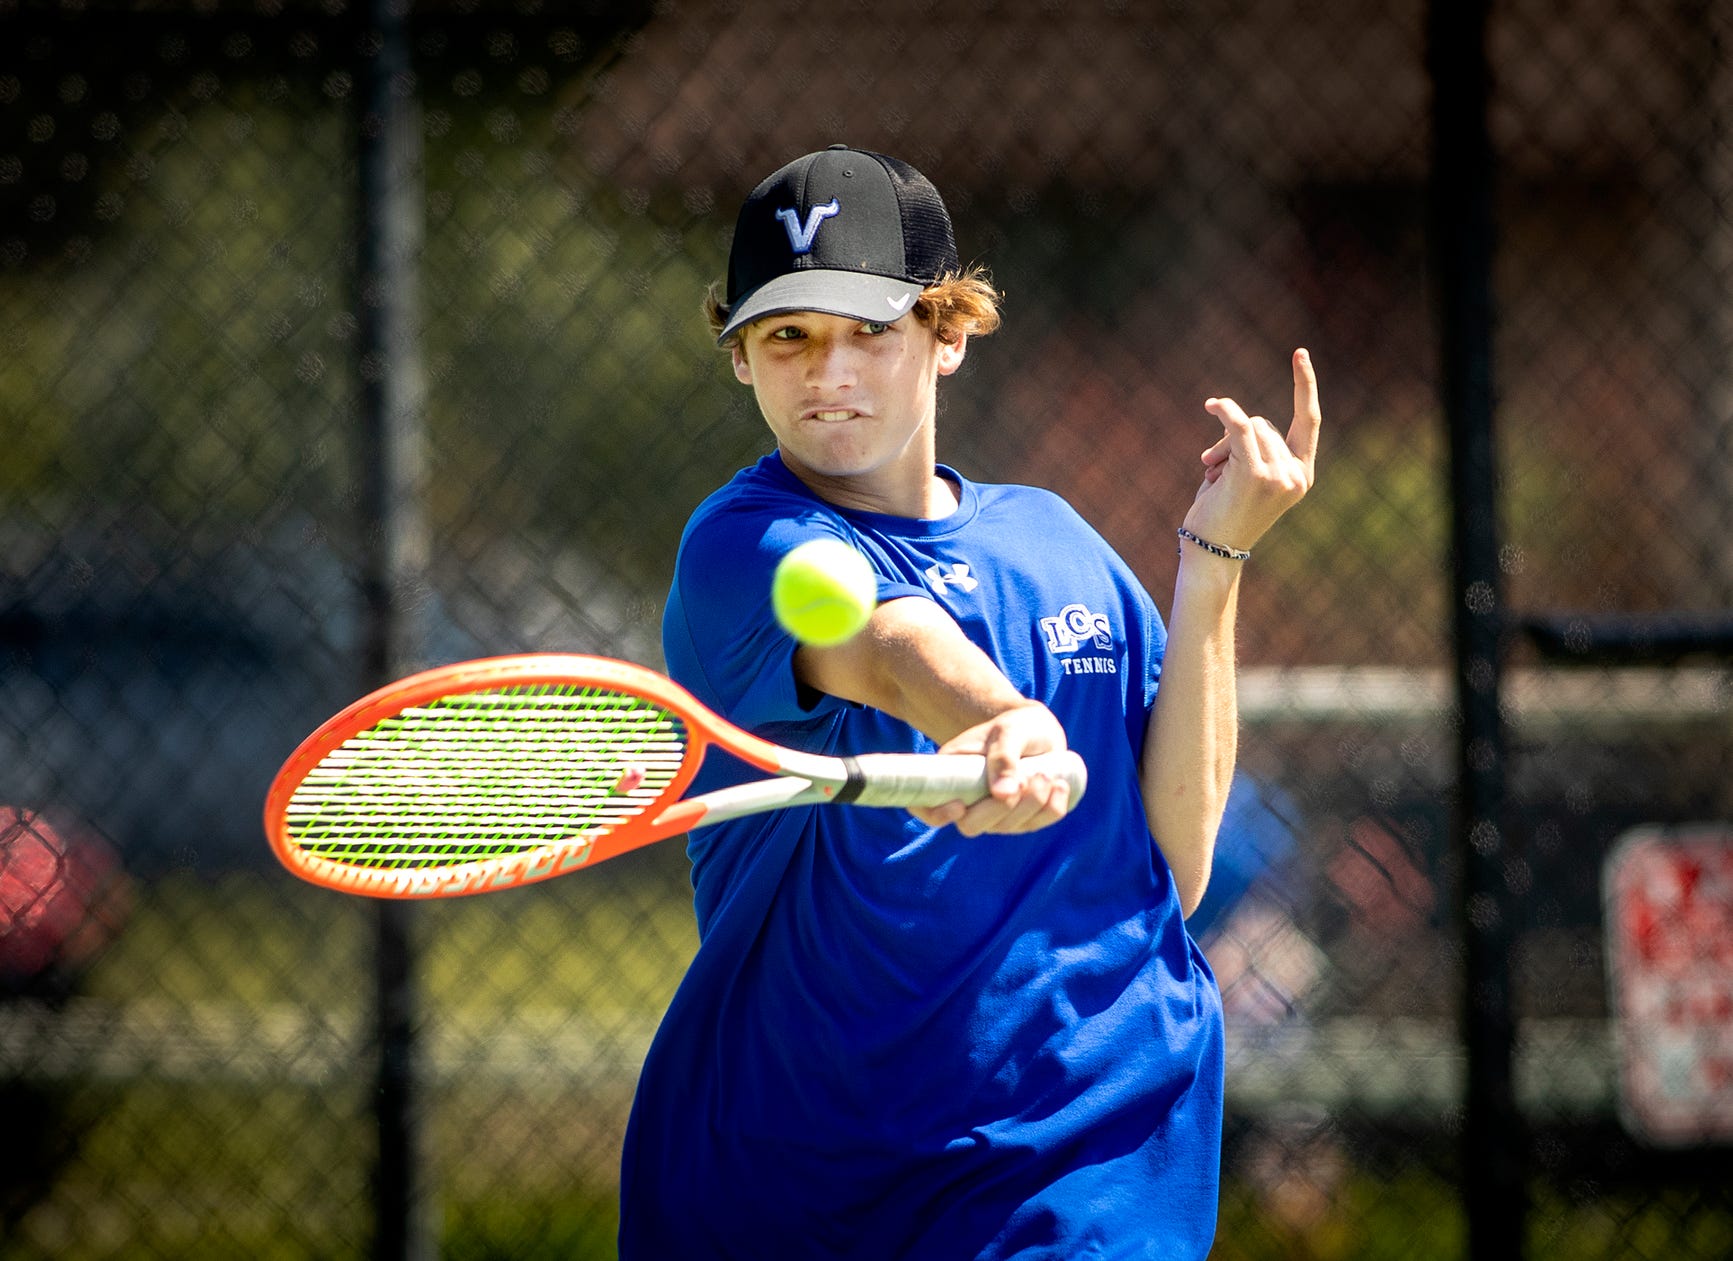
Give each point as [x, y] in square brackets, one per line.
[841, 231]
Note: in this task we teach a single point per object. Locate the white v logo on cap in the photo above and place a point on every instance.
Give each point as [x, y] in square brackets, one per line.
[898, 303]
[800, 235]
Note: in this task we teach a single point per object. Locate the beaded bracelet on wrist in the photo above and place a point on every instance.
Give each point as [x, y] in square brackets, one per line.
[1214, 549]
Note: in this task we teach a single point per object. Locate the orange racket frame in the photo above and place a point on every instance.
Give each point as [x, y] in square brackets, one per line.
[882, 779]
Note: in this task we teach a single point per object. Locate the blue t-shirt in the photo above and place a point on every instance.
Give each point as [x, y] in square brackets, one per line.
[897, 1041]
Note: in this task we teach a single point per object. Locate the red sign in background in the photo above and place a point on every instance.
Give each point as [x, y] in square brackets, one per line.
[1669, 918]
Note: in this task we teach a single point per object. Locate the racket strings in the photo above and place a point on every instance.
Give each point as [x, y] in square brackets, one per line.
[483, 774]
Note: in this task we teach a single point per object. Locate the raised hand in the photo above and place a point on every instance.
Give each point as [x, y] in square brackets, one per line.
[1252, 475]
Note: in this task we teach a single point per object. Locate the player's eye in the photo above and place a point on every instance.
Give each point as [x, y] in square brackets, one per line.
[874, 329]
[787, 333]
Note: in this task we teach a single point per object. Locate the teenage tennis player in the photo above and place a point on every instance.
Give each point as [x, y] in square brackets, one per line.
[977, 1030]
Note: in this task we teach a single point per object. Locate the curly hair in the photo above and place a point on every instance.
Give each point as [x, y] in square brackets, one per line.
[956, 305]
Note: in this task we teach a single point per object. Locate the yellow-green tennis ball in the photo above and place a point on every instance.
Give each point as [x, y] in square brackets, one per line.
[823, 592]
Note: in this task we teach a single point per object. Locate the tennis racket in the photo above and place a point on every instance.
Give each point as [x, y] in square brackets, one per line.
[508, 770]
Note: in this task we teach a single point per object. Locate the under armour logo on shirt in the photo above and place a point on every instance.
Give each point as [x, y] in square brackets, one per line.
[800, 235]
[959, 578]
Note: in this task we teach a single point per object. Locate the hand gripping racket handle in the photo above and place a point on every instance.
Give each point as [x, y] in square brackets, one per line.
[926, 779]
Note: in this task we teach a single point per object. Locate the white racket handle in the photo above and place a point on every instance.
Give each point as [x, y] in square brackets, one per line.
[931, 779]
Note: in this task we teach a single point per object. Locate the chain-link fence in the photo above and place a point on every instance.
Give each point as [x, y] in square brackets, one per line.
[1173, 196]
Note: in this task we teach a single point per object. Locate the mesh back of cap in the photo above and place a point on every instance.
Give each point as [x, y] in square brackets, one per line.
[928, 244]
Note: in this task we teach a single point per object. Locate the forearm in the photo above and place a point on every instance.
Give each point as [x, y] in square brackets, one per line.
[914, 663]
[1193, 734]
[1251, 477]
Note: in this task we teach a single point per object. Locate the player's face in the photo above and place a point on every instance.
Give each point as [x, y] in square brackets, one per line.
[848, 402]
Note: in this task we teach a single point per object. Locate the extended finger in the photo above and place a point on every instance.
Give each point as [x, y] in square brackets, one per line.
[1308, 414]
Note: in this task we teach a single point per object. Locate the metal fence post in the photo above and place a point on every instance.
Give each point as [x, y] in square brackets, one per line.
[394, 545]
[1463, 236]
[1709, 159]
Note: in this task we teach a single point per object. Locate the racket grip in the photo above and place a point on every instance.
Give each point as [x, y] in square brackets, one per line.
[932, 779]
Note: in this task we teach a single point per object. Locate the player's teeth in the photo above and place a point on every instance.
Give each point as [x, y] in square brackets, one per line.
[833, 415]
